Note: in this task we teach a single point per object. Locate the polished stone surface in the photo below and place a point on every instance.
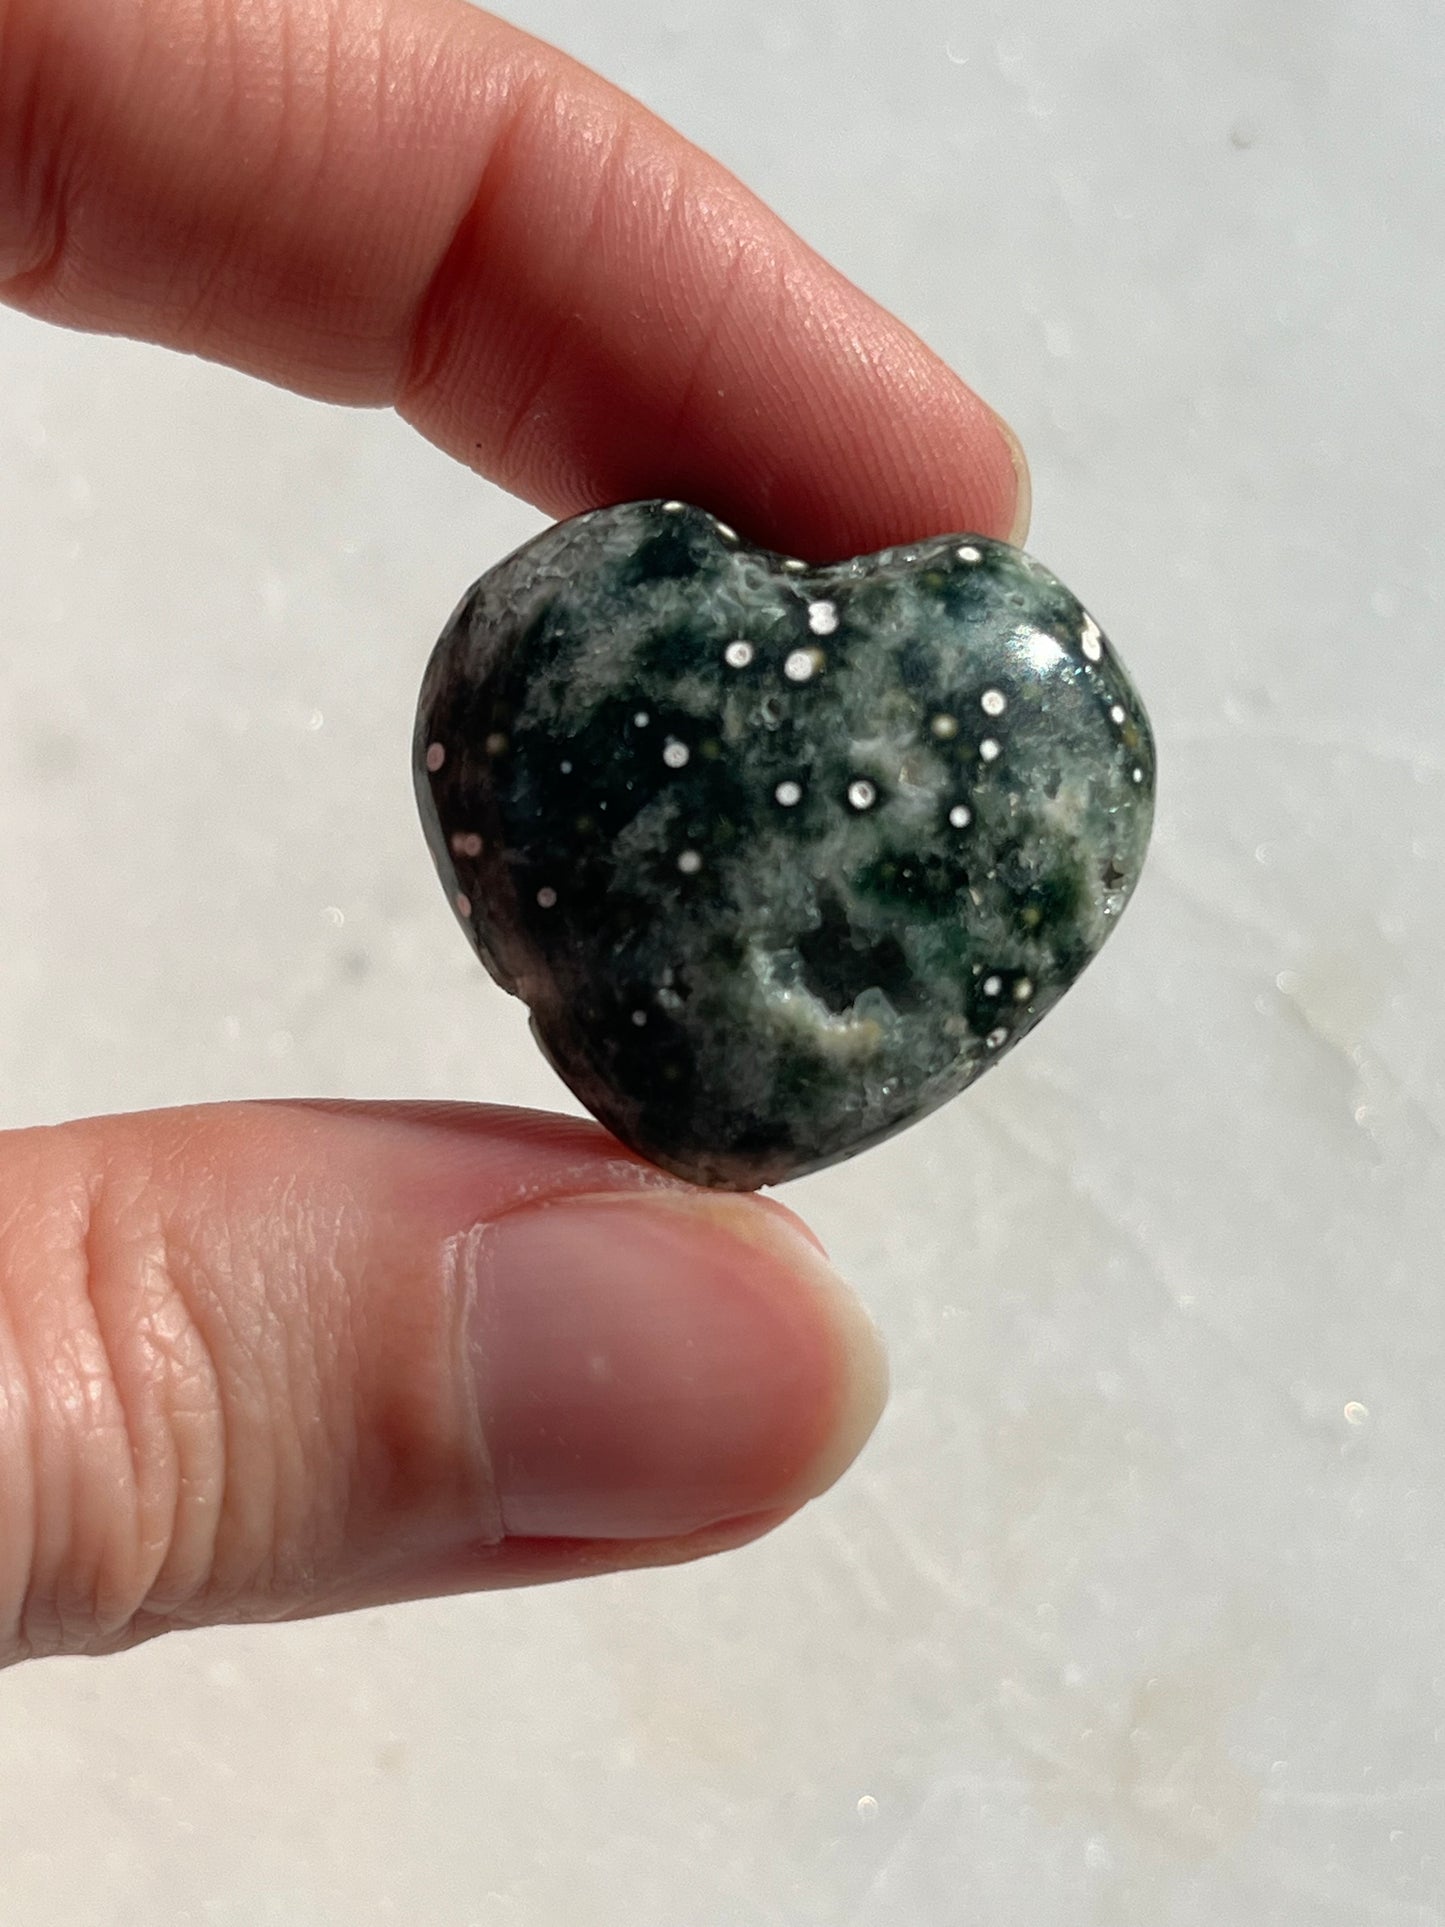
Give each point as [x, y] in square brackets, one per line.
[781, 858]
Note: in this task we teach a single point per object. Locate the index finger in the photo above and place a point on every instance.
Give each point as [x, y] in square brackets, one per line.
[409, 202]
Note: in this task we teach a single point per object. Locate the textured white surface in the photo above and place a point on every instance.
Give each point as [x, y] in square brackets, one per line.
[1132, 1614]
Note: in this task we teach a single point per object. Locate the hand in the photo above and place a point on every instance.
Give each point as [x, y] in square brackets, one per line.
[269, 1360]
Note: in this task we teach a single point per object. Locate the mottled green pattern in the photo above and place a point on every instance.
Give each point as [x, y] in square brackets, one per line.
[780, 859]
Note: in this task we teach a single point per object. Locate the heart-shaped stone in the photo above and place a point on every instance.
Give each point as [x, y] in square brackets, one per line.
[781, 858]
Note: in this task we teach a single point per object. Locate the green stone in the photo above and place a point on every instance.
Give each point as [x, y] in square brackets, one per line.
[780, 858]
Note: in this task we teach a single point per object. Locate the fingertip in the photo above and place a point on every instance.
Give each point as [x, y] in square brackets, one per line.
[859, 1360]
[1023, 505]
[420, 205]
[652, 1364]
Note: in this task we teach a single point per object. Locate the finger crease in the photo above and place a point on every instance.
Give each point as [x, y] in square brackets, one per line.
[427, 342]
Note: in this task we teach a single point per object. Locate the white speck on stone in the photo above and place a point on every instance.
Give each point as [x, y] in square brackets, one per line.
[464, 904]
[788, 793]
[861, 794]
[989, 750]
[565, 767]
[1092, 641]
[496, 744]
[673, 508]
[738, 654]
[945, 728]
[547, 896]
[801, 665]
[968, 553]
[436, 755]
[794, 566]
[641, 719]
[822, 618]
[639, 1017]
[1138, 774]
[1116, 713]
[993, 702]
[727, 534]
[996, 1038]
[992, 986]
[675, 754]
[960, 816]
[689, 863]
[1023, 990]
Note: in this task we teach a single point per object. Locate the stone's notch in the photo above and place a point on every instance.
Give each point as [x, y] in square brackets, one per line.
[780, 858]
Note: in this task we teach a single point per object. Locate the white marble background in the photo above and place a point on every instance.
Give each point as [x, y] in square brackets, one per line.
[1131, 1616]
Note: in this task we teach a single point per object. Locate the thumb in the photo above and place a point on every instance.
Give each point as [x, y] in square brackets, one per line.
[262, 1361]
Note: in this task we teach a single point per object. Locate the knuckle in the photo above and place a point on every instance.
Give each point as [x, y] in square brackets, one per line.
[112, 1436]
[217, 1403]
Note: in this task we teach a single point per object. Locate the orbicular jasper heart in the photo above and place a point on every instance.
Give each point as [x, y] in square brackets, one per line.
[780, 857]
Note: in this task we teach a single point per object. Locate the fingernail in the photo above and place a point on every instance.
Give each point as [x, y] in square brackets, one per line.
[1024, 496]
[650, 1364]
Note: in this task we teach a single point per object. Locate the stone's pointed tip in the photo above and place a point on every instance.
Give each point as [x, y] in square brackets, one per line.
[779, 865]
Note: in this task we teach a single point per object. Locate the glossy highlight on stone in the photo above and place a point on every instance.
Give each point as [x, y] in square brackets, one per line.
[781, 858]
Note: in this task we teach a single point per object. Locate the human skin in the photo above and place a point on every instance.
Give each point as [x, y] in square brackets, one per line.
[268, 1360]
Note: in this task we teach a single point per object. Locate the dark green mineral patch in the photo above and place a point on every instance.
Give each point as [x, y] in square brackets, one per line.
[781, 858]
